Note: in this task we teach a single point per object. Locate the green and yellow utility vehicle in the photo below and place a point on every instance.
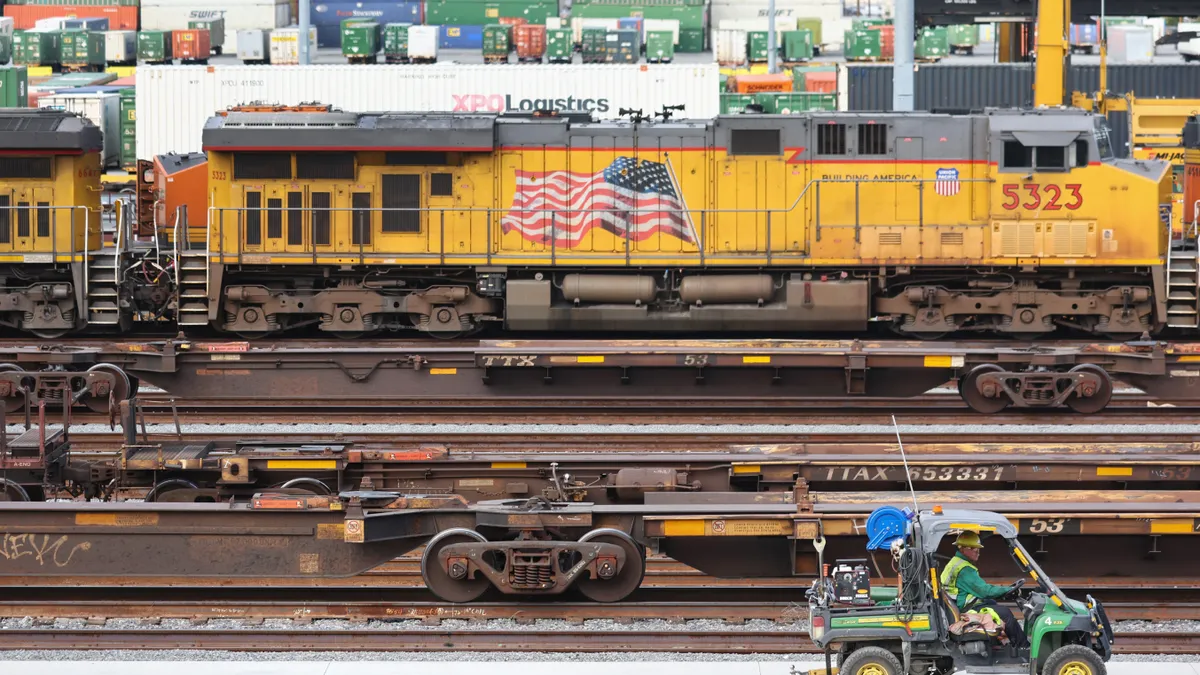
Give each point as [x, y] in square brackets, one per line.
[905, 630]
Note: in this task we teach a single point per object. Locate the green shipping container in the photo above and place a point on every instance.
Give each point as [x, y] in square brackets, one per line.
[14, 87]
[360, 40]
[128, 129]
[691, 14]
[813, 26]
[933, 44]
[497, 42]
[154, 46]
[862, 45]
[622, 46]
[592, 40]
[795, 103]
[797, 46]
[963, 35]
[864, 24]
[476, 13]
[692, 40]
[395, 42]
[756, 46]
[735, 104]
[34, 48]
[6, 51]
[660, 46]
[82, 49]
[560, 46]
[215, 28]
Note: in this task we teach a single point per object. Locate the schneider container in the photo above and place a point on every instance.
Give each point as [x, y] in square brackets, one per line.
[215, 28]
[253, 46]
[154, 46]
[192, 45]
[395, 42]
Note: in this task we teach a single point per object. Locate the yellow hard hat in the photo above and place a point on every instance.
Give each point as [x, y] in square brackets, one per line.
[968, 540]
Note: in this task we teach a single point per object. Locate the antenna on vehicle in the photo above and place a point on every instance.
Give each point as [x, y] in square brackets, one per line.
[907, 473]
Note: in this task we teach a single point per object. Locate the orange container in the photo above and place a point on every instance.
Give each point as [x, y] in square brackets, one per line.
[821, 82]
[130, 81]
[512, 21]
[531, 41]
[119, 18]
[753, 84]
[192, 44]
[887, 41]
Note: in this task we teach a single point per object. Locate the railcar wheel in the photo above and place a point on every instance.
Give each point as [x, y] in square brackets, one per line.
[623, 583]
[50, 334]
[1089, 405]
[122, 389]
[16, 402]
[312, 485]
[12, 492]
[158, 492]
[439, 581]
[968, 389]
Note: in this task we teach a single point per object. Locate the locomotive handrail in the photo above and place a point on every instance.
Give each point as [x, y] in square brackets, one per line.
[117, 241]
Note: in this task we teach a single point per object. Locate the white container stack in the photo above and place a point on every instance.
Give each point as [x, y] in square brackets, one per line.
[601, 89]
[423, 43]
[1130, 44]
[254, 45]
[285, 44]
[120, 46]
[6, 25]
[238, 15]
[104, 110]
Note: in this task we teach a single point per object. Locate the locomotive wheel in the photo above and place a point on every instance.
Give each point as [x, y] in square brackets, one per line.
[16, 402]
[625, 582]
[51, 334]
[122, 389]
[439, 581]
[975, 400]
[1096, 402]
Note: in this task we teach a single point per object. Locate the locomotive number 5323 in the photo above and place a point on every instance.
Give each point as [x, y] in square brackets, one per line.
[1049, 197]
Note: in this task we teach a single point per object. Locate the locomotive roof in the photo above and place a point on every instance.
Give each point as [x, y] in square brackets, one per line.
[47, 129]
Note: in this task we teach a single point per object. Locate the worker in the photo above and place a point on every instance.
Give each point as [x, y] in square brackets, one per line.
[971, 593]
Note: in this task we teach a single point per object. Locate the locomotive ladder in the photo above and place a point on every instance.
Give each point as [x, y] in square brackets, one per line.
[193, 288]
[1183, 285]
[102, 296]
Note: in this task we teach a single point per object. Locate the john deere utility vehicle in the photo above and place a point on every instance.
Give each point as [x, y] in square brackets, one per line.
[905, 630]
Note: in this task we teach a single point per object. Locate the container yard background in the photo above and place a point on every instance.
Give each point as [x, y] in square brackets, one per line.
[704, 46]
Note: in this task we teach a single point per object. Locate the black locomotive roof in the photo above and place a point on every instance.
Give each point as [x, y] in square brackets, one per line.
[47, 129]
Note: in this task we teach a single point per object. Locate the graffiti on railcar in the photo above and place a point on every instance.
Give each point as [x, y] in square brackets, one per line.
[43, 549]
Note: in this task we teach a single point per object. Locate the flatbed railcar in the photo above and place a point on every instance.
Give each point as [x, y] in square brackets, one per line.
[1003, 222]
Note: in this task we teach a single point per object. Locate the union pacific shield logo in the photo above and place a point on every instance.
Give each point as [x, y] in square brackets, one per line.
[946, 184]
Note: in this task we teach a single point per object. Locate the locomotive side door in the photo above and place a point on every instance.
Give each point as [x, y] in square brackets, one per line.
[912, 195]
[248, 221]
[23, 216]
[295, 231]
[7, 218]
[275, 198]
[51, 231]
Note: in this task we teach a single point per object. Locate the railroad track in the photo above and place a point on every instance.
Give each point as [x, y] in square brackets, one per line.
[437, 640]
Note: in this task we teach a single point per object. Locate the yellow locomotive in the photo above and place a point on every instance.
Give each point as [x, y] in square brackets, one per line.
[1016, 222]
[49, 219]
[1006, 221]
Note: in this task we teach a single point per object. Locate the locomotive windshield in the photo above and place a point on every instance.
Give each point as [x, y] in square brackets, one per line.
[1104, 139]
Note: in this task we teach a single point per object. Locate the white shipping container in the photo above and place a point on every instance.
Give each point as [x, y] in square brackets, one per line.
[729, 46]
[120, 46]
[1130, 44]
[833, 24]
[285, 44]
[603, 89]
[672, 25]
[104, 110]
[253, 44]
[554, 23]
[578, 24]
[423, 42]
[238, 14]
[53, 23]
[6, 25]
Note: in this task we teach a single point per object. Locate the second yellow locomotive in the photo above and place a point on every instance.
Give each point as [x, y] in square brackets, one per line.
[1006, 221]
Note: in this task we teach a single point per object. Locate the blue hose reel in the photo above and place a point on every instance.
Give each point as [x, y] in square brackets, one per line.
[885, 525]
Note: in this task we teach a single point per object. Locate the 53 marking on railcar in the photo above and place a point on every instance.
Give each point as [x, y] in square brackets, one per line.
[1049, 526]
[693, 360]
[1172, 473]
[1032, 196]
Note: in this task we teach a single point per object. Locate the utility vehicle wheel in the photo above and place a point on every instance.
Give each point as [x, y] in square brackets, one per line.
[871, 661]
[1074, 660]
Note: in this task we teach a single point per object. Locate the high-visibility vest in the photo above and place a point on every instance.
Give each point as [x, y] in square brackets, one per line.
[949, 580]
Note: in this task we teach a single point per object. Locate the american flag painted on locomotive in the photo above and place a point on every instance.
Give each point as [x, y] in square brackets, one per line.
[630, 198]
[946, 184]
